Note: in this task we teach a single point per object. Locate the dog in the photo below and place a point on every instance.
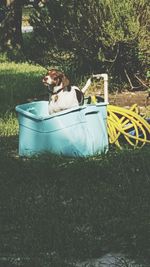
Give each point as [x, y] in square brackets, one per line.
[62, 95]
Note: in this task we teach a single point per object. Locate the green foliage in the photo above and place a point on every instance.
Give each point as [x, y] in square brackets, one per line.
[3, 57]
[97, 35]
[10, 28]
[120, 23]
[148, 74]
[143, 15]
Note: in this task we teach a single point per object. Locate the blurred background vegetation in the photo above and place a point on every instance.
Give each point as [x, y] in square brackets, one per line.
[80, 37]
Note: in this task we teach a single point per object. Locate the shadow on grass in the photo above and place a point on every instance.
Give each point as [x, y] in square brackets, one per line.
[57, 210]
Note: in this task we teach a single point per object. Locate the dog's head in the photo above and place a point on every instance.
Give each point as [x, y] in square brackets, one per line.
[55, 80]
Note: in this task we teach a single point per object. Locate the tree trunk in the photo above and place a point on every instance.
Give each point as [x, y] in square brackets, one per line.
[18, 23]
[10, 27]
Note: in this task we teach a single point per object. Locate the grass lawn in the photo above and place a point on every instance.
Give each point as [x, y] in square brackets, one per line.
[19, 82]
[55, 211]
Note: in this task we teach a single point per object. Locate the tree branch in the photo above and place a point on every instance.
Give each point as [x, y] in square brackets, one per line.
[129, 80]
[141, 81]
[113, 60]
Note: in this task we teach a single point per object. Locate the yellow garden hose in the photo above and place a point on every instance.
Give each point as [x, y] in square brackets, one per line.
[127, 124]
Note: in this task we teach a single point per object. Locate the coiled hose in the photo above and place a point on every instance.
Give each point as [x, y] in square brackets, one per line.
[127, 125]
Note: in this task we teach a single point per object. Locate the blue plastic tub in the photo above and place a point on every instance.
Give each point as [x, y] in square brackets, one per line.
[80, 131]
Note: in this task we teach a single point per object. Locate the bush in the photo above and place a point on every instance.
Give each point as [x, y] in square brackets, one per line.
[94, 35]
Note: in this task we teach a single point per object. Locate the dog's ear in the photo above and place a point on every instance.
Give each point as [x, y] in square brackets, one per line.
[62, 78]
[65, 81]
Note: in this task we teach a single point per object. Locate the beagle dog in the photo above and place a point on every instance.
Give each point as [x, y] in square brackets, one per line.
[61, 94]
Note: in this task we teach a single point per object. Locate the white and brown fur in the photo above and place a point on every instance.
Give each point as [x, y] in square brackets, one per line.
[61, 94]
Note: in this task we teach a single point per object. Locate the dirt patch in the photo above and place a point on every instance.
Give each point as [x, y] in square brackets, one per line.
[129, 98]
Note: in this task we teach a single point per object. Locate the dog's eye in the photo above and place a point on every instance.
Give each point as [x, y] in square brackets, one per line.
[55, 78]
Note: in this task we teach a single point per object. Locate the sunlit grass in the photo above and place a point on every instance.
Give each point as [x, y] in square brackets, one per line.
[8, 125]
[18, 82]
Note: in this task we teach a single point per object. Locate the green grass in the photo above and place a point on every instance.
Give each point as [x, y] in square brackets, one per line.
[56, 208]
[55, 211]
[18, 83]
[8, 125]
